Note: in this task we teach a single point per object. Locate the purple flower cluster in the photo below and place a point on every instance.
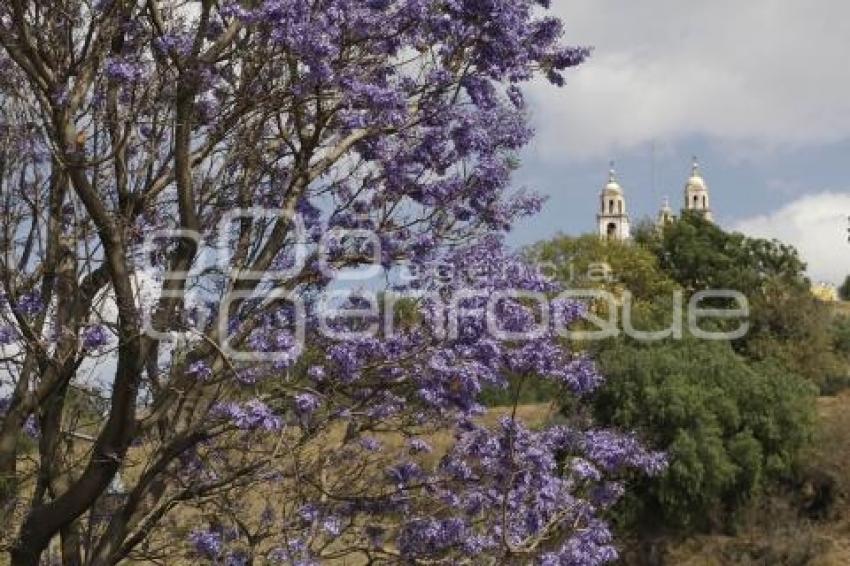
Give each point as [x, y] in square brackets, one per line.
[401, 117]
[124, 70]
[446, 155]
[207, 544]
[425, 537]
[200, 370]
[179, 43]
[509, 480]
[31, 427]
[30, 304]
[370, 444]
[306, 403]
[448, 374]
[8, 335]
[251, 415]
[405, 473]
[94, 337]
[508, 486]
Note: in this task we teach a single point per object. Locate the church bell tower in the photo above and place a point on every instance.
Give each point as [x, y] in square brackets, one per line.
[665, 215]
[612, 218]
[696, 193]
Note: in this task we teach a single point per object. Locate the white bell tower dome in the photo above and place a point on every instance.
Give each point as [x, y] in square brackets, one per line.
[613, 220]
[696, 193]
[665, 214]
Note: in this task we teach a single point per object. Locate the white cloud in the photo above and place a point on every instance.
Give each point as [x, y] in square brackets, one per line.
[762, 73]
[817, 226]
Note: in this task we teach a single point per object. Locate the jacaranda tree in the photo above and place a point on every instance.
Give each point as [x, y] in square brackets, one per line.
[180, 180]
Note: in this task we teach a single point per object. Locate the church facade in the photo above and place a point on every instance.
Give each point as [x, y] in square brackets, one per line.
[613, 218]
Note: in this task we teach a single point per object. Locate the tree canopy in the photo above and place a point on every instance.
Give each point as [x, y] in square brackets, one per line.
[182, 184]
[731, 430]
[787, 323]
[698, 254]
[590, 261]
[731, 416]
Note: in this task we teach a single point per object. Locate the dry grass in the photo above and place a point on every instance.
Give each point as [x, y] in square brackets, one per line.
[841, 307]
[777, 534]
[179, 520]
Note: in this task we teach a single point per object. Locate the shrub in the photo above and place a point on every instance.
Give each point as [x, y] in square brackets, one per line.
[730, 429]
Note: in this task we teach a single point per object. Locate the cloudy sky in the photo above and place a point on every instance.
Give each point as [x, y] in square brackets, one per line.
[758, 90]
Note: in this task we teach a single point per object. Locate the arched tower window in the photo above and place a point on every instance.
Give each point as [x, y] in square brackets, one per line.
[620, 206]
[611, 206]
[611, 230]
[696, 201]
[704, 202]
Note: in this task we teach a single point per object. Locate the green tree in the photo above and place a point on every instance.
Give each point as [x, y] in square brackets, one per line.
[787, 324]
[731, 424]
[730, 428]
[700, 255]
[844, 289]
[591, 262]
[791, 327]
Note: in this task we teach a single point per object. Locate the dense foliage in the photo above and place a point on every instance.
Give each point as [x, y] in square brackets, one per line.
[787, 323]
[731, 429]
[591, 262]
[698, 254]
[732, 416]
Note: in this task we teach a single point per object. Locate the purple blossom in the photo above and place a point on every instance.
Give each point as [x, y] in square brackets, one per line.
[332, 525]
[585, 470]
[404, 473]
[207, 544]
[516, 97]
[426, 537]
[123, 70]
[309, 513]
[237, 558]
[589, 547]
[430, 169]
[370, 444]
[316, 373]
[611, 450]
[252, 415]
[200, 370]
[30, 304]
[94, 337]
[517, 470]
[175, 42]
[306, 403]
[8, 334]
